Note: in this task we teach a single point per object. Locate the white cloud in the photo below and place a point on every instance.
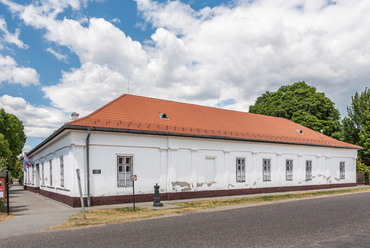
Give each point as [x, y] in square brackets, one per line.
[59, 56]
[115, 20]
[11, 38]
[234, 51]
[12, 73]
[38, 121]
[86, 89]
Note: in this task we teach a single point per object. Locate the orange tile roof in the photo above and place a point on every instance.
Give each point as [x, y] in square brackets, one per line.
[129, 112]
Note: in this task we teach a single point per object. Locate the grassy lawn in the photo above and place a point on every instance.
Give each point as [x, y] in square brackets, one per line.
[116, 215]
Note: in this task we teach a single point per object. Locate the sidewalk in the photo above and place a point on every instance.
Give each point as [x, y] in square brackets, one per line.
[34, 213]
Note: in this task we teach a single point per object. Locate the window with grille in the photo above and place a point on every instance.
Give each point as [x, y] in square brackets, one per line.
[42, 174]
[342, 170]
[51, 173]
[266, 163]
[61, 171]
[124, 171]
[33, 174]
[308, 170]
[289, 170]
[240, 169]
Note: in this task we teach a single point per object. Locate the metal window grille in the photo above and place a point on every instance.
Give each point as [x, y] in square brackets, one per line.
[42, 174]
[240, 169]
[308, 170]
[124, 171]
[61, 171]
[266, 170]
[33, 174]
[342, 170]
[289, 170]
[51, 173]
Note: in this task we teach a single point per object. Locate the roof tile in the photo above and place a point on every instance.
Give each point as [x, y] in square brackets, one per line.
[142, 113]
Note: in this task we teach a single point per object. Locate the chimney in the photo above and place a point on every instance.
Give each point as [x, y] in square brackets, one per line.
[74, 116]
[321, 131]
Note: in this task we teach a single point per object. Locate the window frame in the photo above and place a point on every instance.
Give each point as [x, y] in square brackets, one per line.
[127, 171]
[241, 171]
[266, 174]
[61, 159]
[51, 172]
[33, 175]
[308, 170]
[342, 170]
[42, 174]
[289, 172]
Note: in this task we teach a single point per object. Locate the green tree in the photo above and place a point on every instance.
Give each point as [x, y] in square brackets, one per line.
[302, 104]
[5, 153]
[12, 140]
[356, 126]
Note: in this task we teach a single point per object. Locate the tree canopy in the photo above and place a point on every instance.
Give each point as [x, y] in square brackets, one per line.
[12, 139]
[302, 104]
[356, 126]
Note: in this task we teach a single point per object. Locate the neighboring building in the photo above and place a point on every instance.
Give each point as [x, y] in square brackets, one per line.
[189, 150]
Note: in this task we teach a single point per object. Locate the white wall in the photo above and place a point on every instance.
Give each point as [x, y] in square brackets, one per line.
[180, 164]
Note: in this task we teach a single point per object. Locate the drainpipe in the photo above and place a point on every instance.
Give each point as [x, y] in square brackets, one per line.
[88, 167]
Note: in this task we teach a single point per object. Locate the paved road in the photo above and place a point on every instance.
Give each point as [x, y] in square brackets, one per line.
[339, 221]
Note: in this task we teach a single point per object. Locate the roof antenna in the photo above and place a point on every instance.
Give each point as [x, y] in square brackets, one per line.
[218, 101]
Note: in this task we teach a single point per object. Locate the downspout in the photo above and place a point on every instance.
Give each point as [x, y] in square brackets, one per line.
[88, 167]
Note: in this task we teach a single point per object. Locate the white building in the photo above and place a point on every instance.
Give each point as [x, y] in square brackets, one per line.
[189, 150]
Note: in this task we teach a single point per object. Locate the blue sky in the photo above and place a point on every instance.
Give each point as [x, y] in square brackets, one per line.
[58, 57]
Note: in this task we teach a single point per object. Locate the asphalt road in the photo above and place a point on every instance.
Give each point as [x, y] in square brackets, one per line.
[338, 221]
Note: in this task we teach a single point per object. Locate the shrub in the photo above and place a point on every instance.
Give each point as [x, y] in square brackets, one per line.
[361, 167]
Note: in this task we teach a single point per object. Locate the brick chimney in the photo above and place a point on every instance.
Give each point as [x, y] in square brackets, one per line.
[74, 116]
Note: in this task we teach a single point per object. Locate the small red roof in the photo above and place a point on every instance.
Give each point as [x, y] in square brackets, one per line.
[129, 112]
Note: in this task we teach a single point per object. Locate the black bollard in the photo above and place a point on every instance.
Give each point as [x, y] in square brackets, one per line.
[157, 201]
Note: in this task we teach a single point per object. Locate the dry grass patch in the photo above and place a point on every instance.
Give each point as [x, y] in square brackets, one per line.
[113, 215]
[4, 217]
[116, 215]
[264, 198]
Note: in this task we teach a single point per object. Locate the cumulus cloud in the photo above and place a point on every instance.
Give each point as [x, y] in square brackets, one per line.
[12, 73]
[230, 53]
[38, 121]
[9, 37]
[92, 83]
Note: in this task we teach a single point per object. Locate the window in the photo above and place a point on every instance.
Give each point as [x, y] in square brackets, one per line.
[308, 170]
[42, 174]
[342, 170]
[51, 173]
[289, 170]
[33, 174]
[124, 171]
[266, 170]
[61, 172]
[240, 169]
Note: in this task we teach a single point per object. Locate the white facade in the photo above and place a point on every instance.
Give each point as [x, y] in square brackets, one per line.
[180, 164]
